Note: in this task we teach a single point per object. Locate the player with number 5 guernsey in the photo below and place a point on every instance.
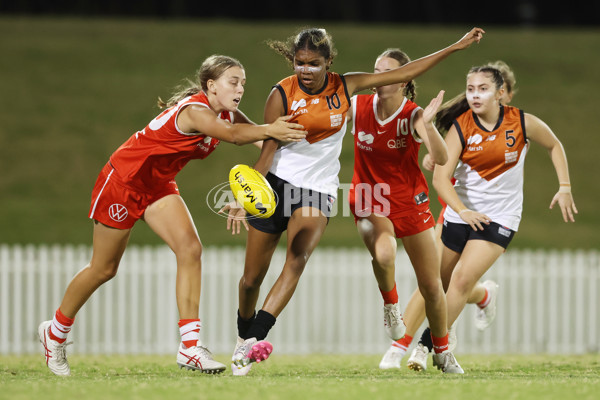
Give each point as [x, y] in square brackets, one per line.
[487, 144]
[415, 312]
[492, 183]
[138, 182]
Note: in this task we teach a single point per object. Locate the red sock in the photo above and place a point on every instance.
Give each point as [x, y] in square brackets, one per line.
[390, 297]
[440, 344]
[403, 343]
[485, 301]
[60, 327]
[190, 331]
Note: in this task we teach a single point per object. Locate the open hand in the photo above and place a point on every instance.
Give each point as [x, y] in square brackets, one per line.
[286, 131]
[431, 110]
[567, 205]
[474, 218]
[235, 217]
[428, 162]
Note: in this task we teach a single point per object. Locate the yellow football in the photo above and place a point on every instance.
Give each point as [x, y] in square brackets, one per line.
[252, 191]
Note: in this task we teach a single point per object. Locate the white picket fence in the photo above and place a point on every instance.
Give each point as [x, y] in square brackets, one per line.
[548, 302]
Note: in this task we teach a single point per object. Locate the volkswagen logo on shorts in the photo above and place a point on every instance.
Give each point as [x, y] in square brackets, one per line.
[117, 212]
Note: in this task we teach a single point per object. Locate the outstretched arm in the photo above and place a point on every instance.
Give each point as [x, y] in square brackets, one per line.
[274, 111]
[541, 133]
[201, 120]
[240, 118]
[356, 82]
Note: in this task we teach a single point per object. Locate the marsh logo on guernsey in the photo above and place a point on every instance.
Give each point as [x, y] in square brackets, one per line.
[365, 137]
[205, 144]
[117, 212]
[474, 140]
[297, 104]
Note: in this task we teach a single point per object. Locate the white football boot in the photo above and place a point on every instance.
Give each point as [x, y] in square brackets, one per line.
[251, 350]
[198, 358]
[56, 354]
[391, 358]
[393, 322]
[446, 362]
[485, 316]
[239, 371]
[418, 358]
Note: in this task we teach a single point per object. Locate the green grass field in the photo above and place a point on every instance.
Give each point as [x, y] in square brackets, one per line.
[304, 377]
[74, 89]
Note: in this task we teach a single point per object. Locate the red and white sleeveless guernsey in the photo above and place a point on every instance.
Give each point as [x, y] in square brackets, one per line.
[489, 174]
[386, 156]
[153, 156]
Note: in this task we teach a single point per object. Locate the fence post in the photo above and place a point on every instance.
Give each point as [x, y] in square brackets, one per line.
[548, 302]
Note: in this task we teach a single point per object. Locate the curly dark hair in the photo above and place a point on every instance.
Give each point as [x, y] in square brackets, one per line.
[314, 39]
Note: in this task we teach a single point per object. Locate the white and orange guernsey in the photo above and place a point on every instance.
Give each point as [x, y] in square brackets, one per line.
[314, 163]
[489, 174]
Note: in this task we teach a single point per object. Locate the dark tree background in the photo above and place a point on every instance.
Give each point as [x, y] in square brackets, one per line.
[507, 12]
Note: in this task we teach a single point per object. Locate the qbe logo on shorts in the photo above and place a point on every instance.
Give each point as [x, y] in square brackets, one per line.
[117, 212]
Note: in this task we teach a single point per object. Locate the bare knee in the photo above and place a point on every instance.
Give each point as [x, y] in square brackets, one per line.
[384, 260]
[251, 282]
[189, 255]
[462, 283]
[432, 291]
[104, 273]
[385, 256]
[295, 264]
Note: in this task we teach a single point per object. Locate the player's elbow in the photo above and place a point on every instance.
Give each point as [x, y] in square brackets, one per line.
[441, 159]
[238, 142]
[236, 137]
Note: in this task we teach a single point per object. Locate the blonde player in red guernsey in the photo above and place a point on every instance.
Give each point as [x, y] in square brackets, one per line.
[138, 183]
[484, 294]
[487, 143]
[389, 197]
[304, 174]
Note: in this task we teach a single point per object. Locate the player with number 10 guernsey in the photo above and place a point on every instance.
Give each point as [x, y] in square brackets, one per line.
[389, 199]
[303, 174]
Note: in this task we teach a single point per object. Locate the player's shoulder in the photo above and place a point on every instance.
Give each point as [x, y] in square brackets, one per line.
[411, 104]
[198, 98]
[410, 107]
[335, 80]
[364, 98]
[288, 81]
[465, 117]
[512, 112]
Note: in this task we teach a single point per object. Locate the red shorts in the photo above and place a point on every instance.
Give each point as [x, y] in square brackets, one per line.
[119, 206]
[411, 224]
